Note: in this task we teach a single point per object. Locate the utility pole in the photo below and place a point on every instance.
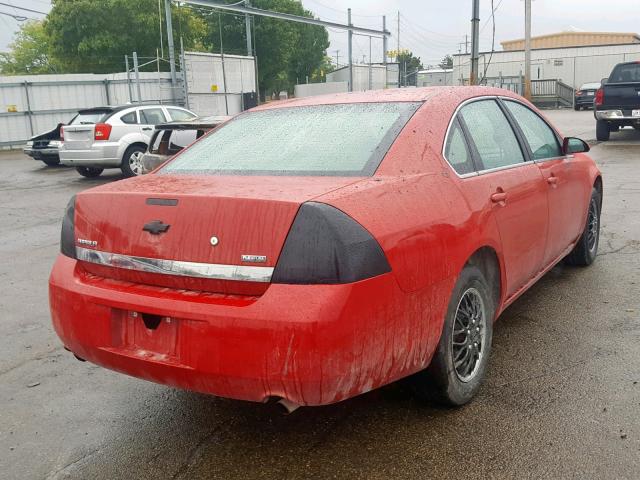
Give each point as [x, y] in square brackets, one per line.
[137, 73]
[247, 22]
[466, 44]
[350, 51]
[370, 67]
[160, 25]
[398, 53]
[172, 58]
[475, 38]
[527, 49]
[384, 50]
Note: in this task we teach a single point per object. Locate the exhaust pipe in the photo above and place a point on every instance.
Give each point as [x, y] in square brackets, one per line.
[289, 407]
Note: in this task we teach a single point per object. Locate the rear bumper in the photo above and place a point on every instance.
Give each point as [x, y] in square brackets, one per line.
[39, 153]
[582, 101]
[100, 155]
[309, 344]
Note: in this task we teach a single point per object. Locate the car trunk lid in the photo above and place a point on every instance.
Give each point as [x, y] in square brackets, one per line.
[209, 222]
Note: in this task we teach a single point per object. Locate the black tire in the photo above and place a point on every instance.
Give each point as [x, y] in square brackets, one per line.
[51, 162]
[576, 107]
[89, 172]
[603, 132]
[442, 382]
[586, 250]
[129, 166]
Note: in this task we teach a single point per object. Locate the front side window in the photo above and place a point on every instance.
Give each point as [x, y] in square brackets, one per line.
[456, 151]
[152, 116]
[334, 140]
[540, 137]
[492, 134]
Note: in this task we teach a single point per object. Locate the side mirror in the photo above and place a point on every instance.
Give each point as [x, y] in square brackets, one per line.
[572, 145]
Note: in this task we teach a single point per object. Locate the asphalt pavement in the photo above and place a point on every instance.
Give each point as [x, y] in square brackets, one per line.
[562, 397]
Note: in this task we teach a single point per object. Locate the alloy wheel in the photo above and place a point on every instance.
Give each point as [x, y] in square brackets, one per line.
[468, 340]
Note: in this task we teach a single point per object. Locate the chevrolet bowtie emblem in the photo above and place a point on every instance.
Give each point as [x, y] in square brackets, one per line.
[156, 227]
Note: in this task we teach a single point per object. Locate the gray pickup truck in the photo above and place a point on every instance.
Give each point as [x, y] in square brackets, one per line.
[617, 102]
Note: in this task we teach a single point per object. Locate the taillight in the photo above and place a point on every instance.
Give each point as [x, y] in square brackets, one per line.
[327, 246]
[67, 234]
[102, 131]
[61, 133]
[599, 96]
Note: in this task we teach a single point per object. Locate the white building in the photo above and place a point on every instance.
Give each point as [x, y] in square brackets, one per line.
[574, 59]
[434, 77]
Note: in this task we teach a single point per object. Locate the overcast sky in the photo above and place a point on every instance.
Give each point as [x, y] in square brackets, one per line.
[432, 28]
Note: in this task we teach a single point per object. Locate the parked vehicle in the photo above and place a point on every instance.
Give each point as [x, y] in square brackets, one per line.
[170, 138]
[585, 95]
[318, 248]
[114, 137]
[617, 102]
[45, 147]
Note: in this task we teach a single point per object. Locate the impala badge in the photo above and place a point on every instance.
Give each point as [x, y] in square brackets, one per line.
[254, 258]
[156, 227]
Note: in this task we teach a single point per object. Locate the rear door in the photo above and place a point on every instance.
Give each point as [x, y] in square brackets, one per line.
[563, 179]
[514, 189]
[149, 118]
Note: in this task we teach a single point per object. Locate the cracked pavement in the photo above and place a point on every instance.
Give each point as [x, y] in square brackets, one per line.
[562, 397]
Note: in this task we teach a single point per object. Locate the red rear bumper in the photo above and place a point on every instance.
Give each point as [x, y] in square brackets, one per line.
[310, 344]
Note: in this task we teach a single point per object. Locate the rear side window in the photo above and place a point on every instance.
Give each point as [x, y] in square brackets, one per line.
[540, 137]
[492, 135]
[152, 116]
[129, 118]
[178, 115]
[330, 140]
[625, 72]
[456, 151]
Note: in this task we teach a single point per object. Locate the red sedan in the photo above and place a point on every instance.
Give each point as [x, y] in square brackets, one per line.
[322, 247]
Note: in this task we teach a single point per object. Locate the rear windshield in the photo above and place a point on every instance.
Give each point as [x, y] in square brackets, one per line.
[320, 140]
[625, 72]
[89, 117]
[590, 86]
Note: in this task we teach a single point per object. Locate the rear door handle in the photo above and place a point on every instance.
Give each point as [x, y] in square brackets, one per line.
[499, 197]
[552, 180]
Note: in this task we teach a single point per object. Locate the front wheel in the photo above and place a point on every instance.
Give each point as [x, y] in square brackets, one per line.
[89, 172]
[603, 132]
[460, 362]
[132, 161]
[585, 251]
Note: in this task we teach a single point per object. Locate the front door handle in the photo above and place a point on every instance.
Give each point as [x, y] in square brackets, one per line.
[147, 128]
[552, 180]
[499, 197]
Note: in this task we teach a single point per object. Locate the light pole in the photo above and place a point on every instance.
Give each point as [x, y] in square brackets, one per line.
[527, 49]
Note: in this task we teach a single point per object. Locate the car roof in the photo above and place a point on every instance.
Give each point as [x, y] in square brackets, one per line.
[453, 95]
[119, 108]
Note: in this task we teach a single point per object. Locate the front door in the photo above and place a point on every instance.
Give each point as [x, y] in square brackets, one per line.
[561, 179]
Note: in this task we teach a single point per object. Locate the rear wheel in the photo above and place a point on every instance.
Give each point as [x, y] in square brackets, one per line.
[603, 131]
[132, 161]
[585, 251]
[576, 107]
[460, 362]
[89, 172]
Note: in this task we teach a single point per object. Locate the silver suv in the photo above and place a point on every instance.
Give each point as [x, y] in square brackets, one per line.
[113, 137]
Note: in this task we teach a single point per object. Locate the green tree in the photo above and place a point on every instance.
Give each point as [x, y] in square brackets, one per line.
[93, 37]
[409, 66]
[446, 62]
[287, 52]
[29, 52]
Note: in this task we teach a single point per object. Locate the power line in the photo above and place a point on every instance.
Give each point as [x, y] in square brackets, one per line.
[22, 8]
[18, 18]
